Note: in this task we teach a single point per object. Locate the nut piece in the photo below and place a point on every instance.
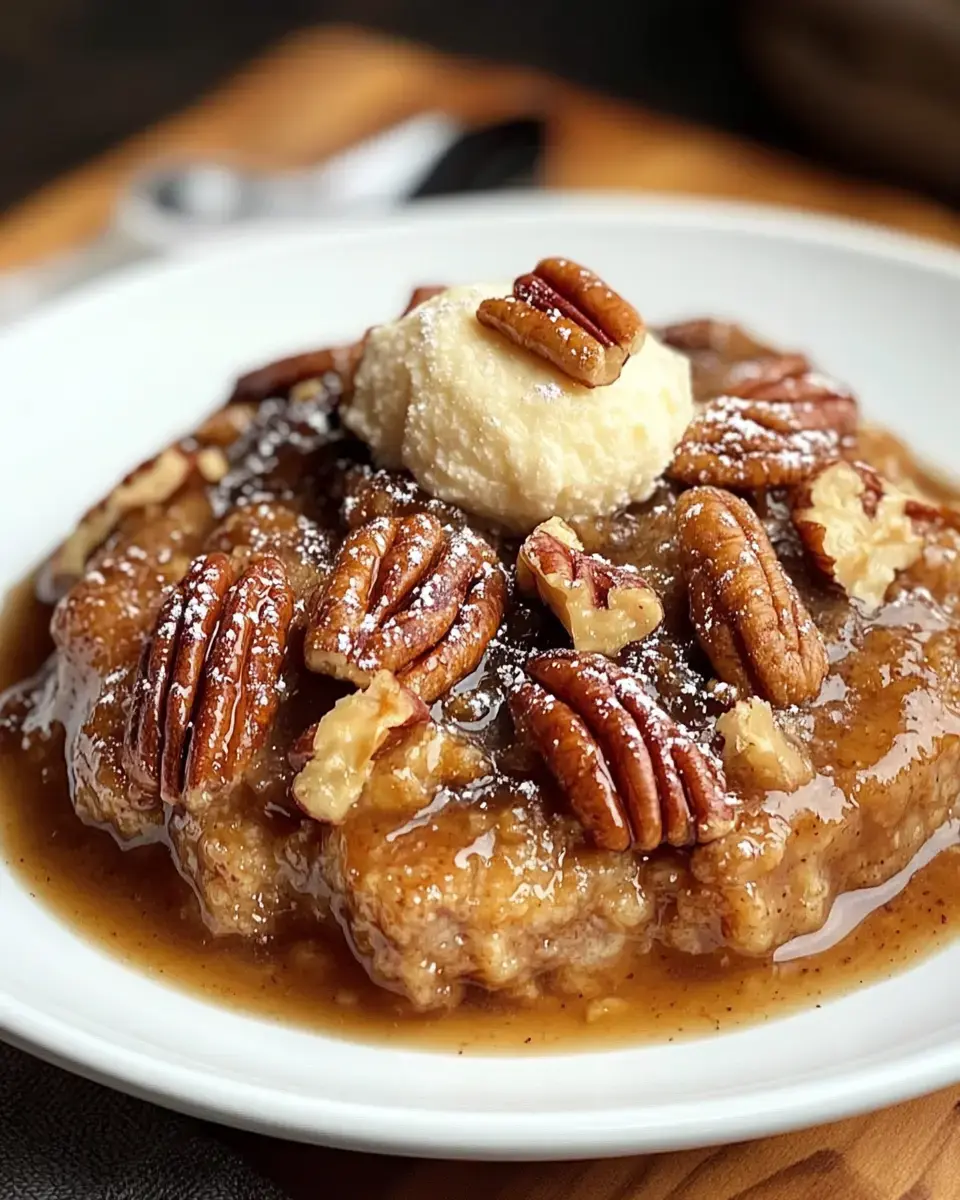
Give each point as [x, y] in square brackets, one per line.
[153, 482]
[774, 432]
[602, 606]
[774, 377]
[857, 529]
[339, 752]
[746, 611]
[369, 493]
[929, 515]
[206, 689]
[460, 650]
[707, 335]
[633, 777]
[404, 596]
[225, 426]
[331, 369]
[569, 316]
[756, 751]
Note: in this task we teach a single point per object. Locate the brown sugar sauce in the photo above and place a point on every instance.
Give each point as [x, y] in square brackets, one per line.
[884, 735]
[136, 908]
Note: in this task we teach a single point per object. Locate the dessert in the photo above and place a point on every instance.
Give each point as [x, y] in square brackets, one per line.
[511, 647]
[491, 425]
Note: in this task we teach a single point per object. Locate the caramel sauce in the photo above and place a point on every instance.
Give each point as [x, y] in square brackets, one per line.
[132, 905]
[880, 711]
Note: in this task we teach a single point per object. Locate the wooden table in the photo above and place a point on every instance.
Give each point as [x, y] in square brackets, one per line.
[321, 91]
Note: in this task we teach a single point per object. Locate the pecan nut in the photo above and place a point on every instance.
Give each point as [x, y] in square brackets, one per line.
[154, 482]
[766, 376]
[569, 316]
[326, 372]
[775, 431]
[335, 758]
[631, 775]
[316, 374]
[369, 493]
[206, 689]
[407, 597]
[749, 619]
[706, 335]
[225, 426]
[928, 515]
[856, 528]
[757, 754]
[601, 605]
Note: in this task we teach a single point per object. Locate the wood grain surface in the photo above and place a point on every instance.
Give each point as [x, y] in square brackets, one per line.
[323, 90]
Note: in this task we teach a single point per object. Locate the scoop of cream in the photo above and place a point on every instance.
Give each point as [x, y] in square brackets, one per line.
[501, 432]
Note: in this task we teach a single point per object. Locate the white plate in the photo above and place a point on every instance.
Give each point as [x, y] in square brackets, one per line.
[100, 380]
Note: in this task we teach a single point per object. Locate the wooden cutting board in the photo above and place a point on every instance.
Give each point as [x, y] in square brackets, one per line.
[321, 91]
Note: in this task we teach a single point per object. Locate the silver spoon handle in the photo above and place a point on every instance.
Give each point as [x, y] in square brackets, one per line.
[177, 205]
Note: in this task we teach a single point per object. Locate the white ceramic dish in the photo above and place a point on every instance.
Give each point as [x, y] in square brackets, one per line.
[101, 379]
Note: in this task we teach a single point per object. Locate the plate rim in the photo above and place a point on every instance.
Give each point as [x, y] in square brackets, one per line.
[526, 1137]
[490, 1134]
[869, 238]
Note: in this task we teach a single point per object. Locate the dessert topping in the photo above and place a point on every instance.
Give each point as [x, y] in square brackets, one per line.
[775, 431]
[569, 316]
[756, 751]
[206, 688]
[631, 775]
[750, 621]
[765, 376]
[481, 424]
[857, 528]
[153, 482]
[407, 597]
[708, 335]
[335, 757]
[601, 605]
[331, 369]
[225, 426]
[927, 513]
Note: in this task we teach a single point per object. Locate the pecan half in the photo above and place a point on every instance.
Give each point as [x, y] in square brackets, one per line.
[746, 611]
[369, 493]
[601, 605]
[631, 775]
[708, 335]
[569, 316]
[206, 687]
[766, 375]
[225, 425]
[335, 757]
[927, 514]
[407, 597]
[330, 370]
[153, 482]
[775, 432]
[857, 528]
[324, 373]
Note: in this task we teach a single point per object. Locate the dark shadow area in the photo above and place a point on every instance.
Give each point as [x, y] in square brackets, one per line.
[78, 75]
[868, 85]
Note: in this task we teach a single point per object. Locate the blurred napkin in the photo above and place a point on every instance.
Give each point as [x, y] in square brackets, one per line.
[62, 1138]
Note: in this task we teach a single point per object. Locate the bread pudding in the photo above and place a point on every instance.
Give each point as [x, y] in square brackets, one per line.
[511, 647]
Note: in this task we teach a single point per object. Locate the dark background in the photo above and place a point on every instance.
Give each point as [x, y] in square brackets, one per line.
[870, 85]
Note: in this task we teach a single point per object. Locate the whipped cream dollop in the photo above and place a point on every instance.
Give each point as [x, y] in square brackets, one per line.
[501, 432]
